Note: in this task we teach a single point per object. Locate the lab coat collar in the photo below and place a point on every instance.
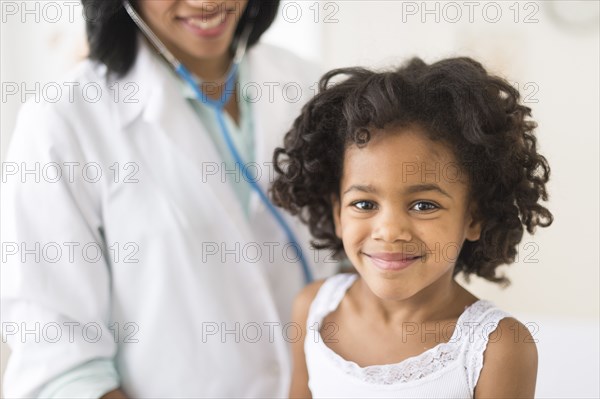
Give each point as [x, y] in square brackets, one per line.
[159, 93]
[149, 76]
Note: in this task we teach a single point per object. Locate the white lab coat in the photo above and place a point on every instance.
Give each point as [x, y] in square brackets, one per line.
[190, 297]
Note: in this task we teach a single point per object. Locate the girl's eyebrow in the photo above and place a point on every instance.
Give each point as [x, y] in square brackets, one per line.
[426, 187]
[359, 187]
[417, 188]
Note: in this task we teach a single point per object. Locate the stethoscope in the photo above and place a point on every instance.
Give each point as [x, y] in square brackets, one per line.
[218, 105]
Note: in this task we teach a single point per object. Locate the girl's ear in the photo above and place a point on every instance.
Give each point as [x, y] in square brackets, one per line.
[335, 201]
[475, 224]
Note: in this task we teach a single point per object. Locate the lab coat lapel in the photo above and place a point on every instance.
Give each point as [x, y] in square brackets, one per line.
[164, 109]
[174, 122]
[160, 112]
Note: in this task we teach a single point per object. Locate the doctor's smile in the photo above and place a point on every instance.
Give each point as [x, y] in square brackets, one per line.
[199, 33]
[210, 24]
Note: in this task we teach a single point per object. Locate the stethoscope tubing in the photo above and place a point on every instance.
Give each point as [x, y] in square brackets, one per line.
[218, 107]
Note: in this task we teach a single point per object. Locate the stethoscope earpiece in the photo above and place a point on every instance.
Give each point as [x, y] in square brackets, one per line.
[254, 10]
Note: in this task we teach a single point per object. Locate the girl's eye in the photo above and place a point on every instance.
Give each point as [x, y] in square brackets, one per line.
[424, 206]
[363, 205]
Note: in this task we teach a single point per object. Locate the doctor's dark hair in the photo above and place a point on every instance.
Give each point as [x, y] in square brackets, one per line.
[454, 101]
[112, 35]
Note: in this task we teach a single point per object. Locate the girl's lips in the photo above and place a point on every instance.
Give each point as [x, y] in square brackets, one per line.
[206, 26]
[392, 261]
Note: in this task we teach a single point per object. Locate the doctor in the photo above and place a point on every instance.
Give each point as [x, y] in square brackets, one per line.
[138, 260]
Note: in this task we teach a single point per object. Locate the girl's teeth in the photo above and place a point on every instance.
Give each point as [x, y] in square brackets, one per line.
[206, 24]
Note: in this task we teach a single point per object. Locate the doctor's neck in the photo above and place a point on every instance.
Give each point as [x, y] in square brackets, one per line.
[210, 70]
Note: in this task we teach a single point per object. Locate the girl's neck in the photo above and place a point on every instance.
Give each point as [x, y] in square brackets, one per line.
[440, 300]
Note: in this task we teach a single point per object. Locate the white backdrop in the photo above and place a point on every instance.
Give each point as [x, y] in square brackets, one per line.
[549, 49]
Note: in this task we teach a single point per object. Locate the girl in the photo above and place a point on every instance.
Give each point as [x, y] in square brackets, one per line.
[413, 176]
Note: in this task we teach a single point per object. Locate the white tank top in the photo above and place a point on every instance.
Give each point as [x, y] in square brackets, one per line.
[448, 370]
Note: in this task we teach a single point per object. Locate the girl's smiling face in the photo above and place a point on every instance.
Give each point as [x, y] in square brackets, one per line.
[403, 212]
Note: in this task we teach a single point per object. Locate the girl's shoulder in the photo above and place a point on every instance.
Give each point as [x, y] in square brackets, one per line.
[323, 295]
[496, 346]
[308, 294]
[508, 365]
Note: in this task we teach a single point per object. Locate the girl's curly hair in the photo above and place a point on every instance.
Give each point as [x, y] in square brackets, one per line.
[454, 100]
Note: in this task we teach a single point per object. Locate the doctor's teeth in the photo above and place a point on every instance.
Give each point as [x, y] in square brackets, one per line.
[203, 23]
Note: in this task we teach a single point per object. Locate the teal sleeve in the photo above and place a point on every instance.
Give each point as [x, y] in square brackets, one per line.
[90, 380]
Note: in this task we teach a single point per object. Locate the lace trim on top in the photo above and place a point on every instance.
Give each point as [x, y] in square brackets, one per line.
[416, 367]
[486, 324]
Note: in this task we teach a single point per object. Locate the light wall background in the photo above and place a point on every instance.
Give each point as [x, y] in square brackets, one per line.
[550, 49]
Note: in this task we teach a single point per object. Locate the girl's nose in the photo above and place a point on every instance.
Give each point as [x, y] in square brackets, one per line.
[392, 227]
